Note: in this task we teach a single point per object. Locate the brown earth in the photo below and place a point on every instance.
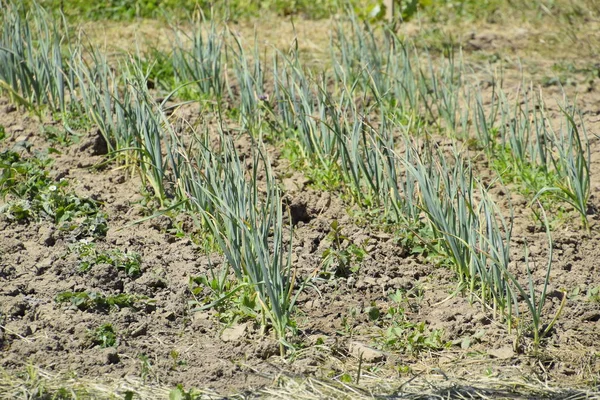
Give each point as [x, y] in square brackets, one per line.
[164, 342]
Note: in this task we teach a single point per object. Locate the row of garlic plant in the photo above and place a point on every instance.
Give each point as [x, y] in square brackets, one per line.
[31, 63]
[520, 132]
[472, 232]
[333, 129]
[248, 224]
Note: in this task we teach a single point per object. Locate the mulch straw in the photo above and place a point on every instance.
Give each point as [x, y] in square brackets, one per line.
[35, 383]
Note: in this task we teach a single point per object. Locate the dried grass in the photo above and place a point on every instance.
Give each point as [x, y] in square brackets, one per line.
[35, 383]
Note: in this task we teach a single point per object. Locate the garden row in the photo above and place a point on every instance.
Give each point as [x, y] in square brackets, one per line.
[366, 125]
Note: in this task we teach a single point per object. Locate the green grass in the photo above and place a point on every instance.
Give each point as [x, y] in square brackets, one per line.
[235, 9]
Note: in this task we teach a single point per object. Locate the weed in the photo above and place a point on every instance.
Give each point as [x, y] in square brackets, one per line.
[402, 334]
[177, 361]
[179, 393]
[593, 294]
[23, 177]
[348, 323]
[146, 368]
[232, 302]
[342, 258]
[86, 300]
[60, 136]
[89, 256]
[104, 336]
[320, 175]
[36, 196]
[159, 69]
[466, 342]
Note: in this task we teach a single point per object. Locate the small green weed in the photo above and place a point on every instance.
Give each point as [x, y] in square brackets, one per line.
[343, 257]
[402, 334]
[60, 136]
[34, 195]
[321, 174]
[593, 294]
[349, 321]
[89, 256]
[567, 74]
[104, 336]
[530, 179]
[232, 303]
[179, 393]
[467, 341]
[23, 177]
[158, 66]
[86, 300]
[146, 368]
[18, 210]
[177, 361]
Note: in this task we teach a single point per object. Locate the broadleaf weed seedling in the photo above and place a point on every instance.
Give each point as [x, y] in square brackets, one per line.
[86, 300]
[399, 333]
[34, 195]
[104, 336]
[231, 301]
[89, 256]
[593, 294]
[342, 256]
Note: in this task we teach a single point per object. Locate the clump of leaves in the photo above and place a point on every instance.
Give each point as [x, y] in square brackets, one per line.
[179, 393]
[86, 300]
[343, 257]
[232, 303]
[104, 336]
[593, 294]
[23, 177]
[34, 195]
[375, 10]
[322, 174]
[89, 256]
[402, 334]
